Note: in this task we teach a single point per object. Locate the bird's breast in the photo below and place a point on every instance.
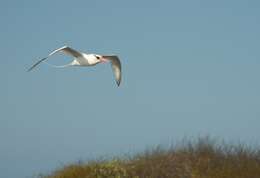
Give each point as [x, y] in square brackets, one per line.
[87, 60]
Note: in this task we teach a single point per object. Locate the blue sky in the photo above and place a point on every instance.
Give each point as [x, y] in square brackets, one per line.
[190, 68]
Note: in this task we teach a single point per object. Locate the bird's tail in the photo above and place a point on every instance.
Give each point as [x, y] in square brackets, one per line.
[55, 66]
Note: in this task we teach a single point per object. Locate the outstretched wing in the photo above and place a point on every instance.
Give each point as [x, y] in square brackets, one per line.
[65, 49]
[116, 66]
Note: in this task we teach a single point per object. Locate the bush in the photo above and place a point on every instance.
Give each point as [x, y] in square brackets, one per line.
[203, 158]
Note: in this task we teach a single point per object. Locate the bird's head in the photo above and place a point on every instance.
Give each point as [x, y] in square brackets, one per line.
[101, 58]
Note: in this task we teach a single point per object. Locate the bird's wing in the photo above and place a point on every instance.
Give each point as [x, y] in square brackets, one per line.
[116, 66]
[65, 49]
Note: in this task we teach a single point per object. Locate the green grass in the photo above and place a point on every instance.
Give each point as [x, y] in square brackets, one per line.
[203, 158]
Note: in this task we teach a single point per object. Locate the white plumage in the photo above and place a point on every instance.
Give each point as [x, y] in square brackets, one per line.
[83, 59]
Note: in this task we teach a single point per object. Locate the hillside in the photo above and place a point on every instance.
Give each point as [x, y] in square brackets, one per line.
[203, 158]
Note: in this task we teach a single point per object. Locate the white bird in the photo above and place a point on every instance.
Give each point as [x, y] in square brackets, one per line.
[83, 59]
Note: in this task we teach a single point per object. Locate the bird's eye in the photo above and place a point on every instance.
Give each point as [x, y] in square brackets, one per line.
[97, 57]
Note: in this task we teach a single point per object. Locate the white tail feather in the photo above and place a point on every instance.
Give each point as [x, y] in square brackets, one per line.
[55, 66]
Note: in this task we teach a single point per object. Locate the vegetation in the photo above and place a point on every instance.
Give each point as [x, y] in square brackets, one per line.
[203, 158]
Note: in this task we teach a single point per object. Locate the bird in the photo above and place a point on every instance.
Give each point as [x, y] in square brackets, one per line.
[83, 59]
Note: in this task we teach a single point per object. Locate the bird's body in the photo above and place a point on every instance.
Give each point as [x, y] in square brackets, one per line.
[86, 60]
[83, 59]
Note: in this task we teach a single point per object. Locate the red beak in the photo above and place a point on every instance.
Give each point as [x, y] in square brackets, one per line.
[103, 59]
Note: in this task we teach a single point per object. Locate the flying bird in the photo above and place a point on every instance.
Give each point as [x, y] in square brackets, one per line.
[83, 59]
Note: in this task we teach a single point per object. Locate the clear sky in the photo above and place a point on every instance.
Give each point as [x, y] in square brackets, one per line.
[190, 68]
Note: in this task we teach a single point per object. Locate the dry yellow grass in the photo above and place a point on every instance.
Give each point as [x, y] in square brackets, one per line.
[203, 158]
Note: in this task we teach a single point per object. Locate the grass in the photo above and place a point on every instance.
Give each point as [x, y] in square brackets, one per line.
[203, 158]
